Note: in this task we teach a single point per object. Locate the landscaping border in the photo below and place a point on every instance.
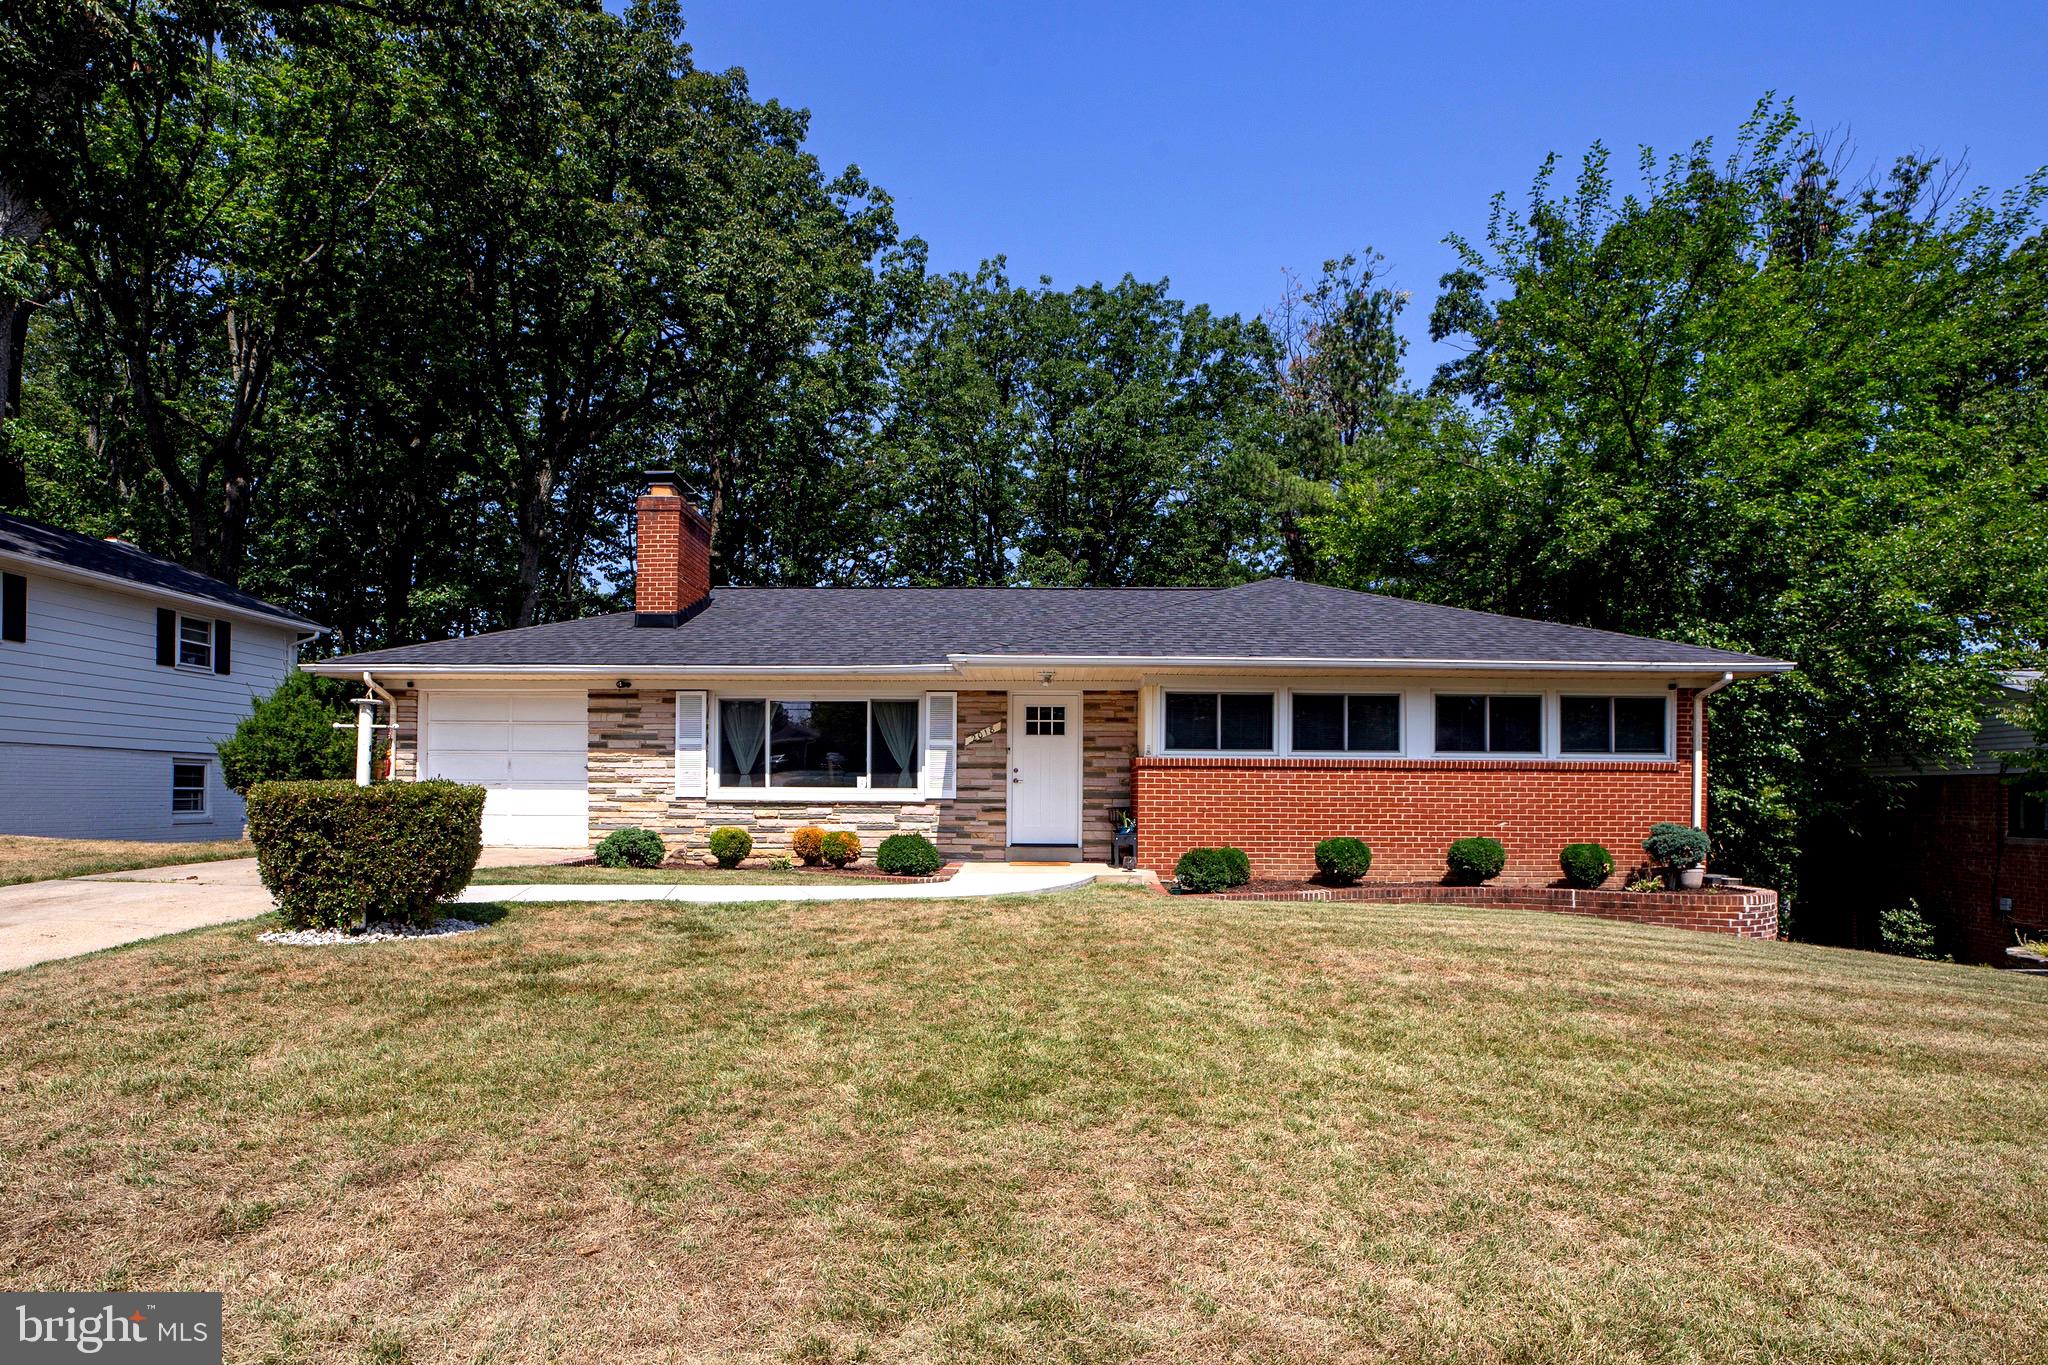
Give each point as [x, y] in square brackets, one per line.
[1743, 911]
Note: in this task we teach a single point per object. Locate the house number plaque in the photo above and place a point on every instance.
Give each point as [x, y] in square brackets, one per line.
[985, 732]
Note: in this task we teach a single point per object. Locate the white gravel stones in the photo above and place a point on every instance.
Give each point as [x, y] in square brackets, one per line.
[377, 931]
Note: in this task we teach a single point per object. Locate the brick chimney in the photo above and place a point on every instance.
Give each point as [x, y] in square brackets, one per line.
[673, 560]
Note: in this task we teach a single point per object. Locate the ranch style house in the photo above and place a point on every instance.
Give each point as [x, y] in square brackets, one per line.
[1019, 722]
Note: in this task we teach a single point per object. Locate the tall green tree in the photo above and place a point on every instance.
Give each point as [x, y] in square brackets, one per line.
[1747, 406]
[1102, 435]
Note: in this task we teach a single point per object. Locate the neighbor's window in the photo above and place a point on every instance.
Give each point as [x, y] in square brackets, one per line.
[195, 642]
[1489, 725]
[1228, 721]
[1355, 725]
[1612, 725]
[188, 787]
[2029, 813]
[821, 743]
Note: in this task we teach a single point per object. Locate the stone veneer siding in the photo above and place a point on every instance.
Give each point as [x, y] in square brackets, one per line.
[631, 772]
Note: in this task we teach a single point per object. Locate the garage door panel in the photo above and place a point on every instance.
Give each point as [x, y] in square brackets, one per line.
[488, 769]
[544, 706]
[558, 737]
[470, 736]
[527, 750]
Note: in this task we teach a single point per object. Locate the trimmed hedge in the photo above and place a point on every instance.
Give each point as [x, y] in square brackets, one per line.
[730, 845]
[1473, 861]
[907, 855]
[1343, 859]
[631, 847]
[1586, 866]
[337, 856]
[1212, 869]
[808, 844]
[840, 847]
[1679, 846]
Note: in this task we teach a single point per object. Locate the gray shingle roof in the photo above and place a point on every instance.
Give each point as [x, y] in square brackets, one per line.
[1274, 618]
[117, 559]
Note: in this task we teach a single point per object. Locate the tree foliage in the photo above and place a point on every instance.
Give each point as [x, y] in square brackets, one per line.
[1749, 406]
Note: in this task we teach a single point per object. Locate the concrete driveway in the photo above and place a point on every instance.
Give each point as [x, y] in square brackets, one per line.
[40, 921]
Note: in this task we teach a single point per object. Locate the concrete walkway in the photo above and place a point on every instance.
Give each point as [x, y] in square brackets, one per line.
[40, 921]
[974, 879]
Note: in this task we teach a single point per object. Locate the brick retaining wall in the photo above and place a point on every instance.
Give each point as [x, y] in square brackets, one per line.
[1744, 911]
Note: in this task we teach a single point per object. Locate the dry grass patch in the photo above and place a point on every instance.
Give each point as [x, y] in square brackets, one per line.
[1094, 1127]
[26, 859]
[561, 874]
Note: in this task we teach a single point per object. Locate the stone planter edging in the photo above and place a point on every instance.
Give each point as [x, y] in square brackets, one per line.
[1744, 911]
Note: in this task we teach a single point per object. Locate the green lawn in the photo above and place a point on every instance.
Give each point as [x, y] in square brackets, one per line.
[27, 859]
[554, 874]
[1101, 1126]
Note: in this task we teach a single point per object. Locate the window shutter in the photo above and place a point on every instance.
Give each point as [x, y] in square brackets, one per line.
[941, 743]
[13, 607]
[222, 633]
[690, 745]
[166, 638]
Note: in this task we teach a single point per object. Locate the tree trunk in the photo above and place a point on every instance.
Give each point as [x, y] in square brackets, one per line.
[24, 222]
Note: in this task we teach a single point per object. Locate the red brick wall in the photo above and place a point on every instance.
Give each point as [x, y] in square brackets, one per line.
[1408, 810]
[672, 560]
[1955, 858]
[1746, 912]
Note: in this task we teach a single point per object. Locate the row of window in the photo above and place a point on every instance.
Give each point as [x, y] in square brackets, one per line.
[1370, 723]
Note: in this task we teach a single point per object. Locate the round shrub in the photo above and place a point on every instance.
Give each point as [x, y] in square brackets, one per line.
[337, 856]
[1343, 859]
[1586, 865]
[289, 736]
[730, 844]
[808, 844]
[907, 855]
[1679, 846]
[631, 848]
[1212, 869]
[1473, 861]
[840, 847]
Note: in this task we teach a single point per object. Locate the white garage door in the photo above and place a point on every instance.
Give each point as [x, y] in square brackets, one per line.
[527, 749]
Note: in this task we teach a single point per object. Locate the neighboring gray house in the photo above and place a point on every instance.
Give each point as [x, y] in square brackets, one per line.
[119, 671]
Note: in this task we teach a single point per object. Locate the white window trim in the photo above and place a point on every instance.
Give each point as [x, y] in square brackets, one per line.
[1400, 723]
[1277, 749]
[204, 815]
[1663, 755]
[178, 656]
[716, 790]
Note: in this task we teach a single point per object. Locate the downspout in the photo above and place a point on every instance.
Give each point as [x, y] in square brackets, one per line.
[364, 724]
[1699, 726]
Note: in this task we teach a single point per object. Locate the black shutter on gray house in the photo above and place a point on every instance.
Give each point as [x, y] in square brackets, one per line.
[221, 635]
[166, 638]
[13, 607]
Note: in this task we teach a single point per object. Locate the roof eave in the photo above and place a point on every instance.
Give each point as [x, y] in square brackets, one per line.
[1745, 668]
[56, 568]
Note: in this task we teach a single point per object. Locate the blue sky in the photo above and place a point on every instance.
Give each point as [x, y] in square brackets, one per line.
[1215, 144]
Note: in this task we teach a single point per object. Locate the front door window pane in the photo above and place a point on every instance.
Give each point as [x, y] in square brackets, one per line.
[1516, 725]
[817, 743]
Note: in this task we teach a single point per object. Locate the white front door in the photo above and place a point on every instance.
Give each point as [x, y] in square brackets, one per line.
[1045, 768]
[526, 749]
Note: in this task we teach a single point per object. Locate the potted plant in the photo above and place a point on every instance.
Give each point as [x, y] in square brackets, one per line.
[1680, 849]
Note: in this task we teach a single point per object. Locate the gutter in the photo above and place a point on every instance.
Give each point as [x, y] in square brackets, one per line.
[1761, 668]
[365, 723]
[1699, 721]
